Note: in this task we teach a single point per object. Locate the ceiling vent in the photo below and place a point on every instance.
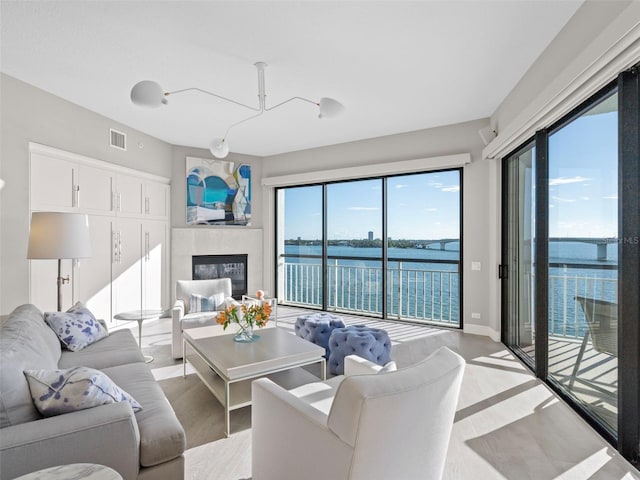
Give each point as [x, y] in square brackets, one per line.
[117, 139]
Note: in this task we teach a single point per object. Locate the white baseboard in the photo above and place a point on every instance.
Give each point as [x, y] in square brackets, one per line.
[482, 330]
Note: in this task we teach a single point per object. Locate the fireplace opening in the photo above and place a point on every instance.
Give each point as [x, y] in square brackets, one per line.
[205, 267]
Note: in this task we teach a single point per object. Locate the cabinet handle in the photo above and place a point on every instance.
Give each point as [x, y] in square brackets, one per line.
[113, 201]
[77, 196]
[114, 256]
[119, 201]
[147, 256]
[146, 205]
[119, 247]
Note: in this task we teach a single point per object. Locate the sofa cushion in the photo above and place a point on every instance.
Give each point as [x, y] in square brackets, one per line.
[119, 348]
[319, 394]
[55, 392]
[76, 328]
[162, 437]
[26, 343]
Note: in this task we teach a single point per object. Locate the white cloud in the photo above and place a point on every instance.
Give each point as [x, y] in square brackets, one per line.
[563, 200]
[431, 209]
[452, 188]
[585, 198]
[358, 209]
[610, 197]
[401, 186]
[566, 180]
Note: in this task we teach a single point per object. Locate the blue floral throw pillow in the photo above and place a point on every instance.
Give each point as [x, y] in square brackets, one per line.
[55, 392]
[76, 328]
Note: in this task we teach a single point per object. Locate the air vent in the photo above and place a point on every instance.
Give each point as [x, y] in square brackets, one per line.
[118, 139]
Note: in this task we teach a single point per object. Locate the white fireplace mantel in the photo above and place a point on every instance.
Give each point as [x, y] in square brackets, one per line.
[186, 242]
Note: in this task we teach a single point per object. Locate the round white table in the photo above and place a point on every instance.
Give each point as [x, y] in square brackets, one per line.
[140, 316]
[74, 471]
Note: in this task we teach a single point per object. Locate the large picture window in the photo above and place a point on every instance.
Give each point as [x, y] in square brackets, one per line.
[386, 247]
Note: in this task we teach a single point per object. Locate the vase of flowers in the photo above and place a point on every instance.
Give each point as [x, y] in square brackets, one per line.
[246, 317]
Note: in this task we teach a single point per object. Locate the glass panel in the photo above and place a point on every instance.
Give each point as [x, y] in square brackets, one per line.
[583, 261]
[300, 245]
[520, 252]
[354, 256]
[423, 225]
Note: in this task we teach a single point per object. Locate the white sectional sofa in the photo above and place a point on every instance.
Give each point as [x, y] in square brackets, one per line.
[148, 444]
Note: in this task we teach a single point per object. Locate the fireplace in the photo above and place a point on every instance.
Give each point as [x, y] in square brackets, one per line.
[204, 267]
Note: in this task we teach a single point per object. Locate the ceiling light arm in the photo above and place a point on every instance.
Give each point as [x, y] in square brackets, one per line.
[289, 100]
[213, 95]
[241, 121]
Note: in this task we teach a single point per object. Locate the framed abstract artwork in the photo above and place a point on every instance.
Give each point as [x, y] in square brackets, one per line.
[218, 192]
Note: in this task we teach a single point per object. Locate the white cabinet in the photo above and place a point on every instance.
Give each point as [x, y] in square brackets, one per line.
[128, 219]
[154, 264]
[156, 200]
[53, 183]
[92, 276]
[64, 185]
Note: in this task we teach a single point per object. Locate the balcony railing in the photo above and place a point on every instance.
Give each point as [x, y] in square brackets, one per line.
[413, 293]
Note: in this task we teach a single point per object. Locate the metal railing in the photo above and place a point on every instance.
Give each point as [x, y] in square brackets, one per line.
[418, 294]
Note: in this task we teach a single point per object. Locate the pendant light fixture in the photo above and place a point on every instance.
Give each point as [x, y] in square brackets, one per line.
[148, 93]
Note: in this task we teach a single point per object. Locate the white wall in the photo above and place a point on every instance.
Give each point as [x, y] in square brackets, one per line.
[478, 200]
[30, 114]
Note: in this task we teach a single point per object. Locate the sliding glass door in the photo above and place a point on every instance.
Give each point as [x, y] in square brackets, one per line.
[386, 247]
[582, 203]
[517, 268]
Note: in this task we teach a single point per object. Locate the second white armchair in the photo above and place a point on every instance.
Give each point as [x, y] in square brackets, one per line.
[187, 312]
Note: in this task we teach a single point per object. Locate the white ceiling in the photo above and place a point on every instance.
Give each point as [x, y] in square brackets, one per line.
[397, 66]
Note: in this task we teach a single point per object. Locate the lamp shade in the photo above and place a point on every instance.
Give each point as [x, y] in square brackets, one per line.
[330, 108]
[219, 148]
[59, 235]
[148, 93]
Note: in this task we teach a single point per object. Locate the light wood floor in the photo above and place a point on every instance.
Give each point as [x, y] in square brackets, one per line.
[508, 425]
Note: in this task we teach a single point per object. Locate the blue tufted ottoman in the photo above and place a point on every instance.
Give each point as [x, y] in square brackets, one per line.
[370, 343]
[317, 328]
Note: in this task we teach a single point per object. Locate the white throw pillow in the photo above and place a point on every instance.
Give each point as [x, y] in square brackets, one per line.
[55, 392]
[76, 328]
[389, 367]
[200, 303]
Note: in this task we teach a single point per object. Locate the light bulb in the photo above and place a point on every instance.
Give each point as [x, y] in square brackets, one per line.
[219, 148]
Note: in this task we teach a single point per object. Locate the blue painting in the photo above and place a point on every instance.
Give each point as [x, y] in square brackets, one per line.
[218, 192]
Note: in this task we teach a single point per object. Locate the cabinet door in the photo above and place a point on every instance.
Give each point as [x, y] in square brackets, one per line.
[129, 196]
[156, 200]
[95, 194]
[92, 278]
[127, 265]
[154, 265]
[53, 183]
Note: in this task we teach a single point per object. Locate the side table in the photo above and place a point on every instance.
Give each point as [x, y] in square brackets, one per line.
[270, 300]
[88, 471]
[140, 316]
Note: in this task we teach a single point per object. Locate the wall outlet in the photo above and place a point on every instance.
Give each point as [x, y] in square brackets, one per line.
[475, 315]
[476, 265]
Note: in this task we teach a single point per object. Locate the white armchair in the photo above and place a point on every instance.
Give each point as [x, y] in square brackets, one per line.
[389, 425]
[182, 318]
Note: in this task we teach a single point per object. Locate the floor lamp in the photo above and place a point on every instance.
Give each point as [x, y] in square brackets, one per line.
[59, 236]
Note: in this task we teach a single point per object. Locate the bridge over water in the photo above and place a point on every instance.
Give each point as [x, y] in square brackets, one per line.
[600, 243]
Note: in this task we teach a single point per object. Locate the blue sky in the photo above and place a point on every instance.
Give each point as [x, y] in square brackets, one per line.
[422, 206]
[583, 177]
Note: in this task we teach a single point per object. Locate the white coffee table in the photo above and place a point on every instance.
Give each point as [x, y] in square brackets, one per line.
[227, 367]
